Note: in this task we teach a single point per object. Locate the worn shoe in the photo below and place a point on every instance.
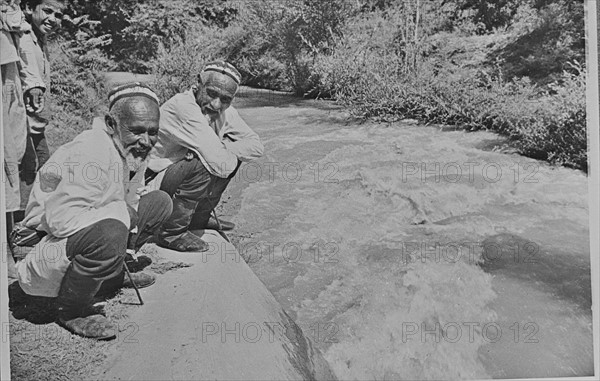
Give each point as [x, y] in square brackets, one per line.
[16, 295]
[185, 242]
[225, 225]
[137, 264]
[93, 326]
[141, 280]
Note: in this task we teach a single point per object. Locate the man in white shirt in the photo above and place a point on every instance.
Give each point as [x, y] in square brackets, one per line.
[201, 143]
[87, 205]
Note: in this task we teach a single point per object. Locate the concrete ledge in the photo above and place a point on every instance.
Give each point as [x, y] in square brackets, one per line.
[214, 320]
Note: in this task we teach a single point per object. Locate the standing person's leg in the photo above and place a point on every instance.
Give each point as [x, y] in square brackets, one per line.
[27, 171]
[187, 181]
[15, 136]
[96, 253]
[28, 166]
[36, 155]
[42, 151]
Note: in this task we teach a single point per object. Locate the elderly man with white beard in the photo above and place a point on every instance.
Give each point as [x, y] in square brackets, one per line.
[86, 205]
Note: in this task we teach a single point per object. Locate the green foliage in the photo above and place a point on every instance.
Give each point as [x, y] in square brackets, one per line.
[367, 72]
[78, 94]
[489, 14]
[176, 68]
[383, 59]
[162, 23]
[132, 32]
[553, 36]
[557, 132]
[282, 39]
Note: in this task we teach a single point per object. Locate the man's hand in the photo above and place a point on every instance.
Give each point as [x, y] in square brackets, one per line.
[34, 100]
[142, 191]
[189, 155]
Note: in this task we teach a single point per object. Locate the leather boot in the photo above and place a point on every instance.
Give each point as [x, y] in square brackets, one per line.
[175, 234]
[73, 304]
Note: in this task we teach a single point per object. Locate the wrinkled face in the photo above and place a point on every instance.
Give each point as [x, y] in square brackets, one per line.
[216, 93]
[46, 16]
[135, 129]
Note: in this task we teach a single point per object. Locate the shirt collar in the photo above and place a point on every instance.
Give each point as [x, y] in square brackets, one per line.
[98, 124]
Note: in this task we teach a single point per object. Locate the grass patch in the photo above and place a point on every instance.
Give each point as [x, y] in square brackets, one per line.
[41, 349]
[78, 94]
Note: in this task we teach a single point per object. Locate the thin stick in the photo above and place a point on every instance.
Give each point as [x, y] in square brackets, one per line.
[8, 174]
[134, 285]
[220, 227]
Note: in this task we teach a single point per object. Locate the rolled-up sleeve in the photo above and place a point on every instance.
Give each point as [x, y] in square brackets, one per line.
[240, 139]
[30, 71]
[183, 124]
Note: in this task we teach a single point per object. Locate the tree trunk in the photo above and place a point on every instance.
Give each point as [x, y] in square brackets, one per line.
[416, 40]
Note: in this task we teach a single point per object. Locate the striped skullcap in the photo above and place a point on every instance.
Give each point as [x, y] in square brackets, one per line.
[130, 90]
[224, 68]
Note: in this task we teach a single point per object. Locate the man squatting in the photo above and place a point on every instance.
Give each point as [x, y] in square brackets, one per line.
[201, 143]
[84, 201]
[199, 147]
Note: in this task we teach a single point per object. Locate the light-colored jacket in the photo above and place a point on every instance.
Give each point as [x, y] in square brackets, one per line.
[83, 182]
[35, 72]
[218, 145]
[11, 22]
[36, 66]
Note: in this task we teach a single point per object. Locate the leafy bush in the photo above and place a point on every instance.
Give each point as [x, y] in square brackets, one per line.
[552, 36]
[383, 59]
[133, 31]
[282, 39]
[176, 68]
[367, 73]
[558, 133]
[78, 95]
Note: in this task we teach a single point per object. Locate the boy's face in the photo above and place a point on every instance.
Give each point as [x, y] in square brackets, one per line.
[46, 16]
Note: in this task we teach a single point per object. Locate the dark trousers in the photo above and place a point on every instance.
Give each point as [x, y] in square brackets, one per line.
[190, 182]
[97, 252]
[153, 209]
[36, 155]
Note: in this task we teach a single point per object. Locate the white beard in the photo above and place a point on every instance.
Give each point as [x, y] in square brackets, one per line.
[134, 163]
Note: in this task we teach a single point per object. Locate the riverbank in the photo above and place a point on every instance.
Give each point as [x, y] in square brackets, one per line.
[402, 251]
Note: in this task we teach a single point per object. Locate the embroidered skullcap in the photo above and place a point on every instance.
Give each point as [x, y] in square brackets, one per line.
[224, 68]
[133, 89]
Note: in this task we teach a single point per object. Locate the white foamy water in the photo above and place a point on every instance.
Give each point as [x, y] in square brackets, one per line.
[373, 239]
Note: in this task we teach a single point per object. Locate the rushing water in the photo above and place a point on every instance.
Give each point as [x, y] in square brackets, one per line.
[409, 252]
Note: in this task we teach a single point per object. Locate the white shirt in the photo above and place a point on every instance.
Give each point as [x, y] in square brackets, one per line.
[82, 183]
[218, 145]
